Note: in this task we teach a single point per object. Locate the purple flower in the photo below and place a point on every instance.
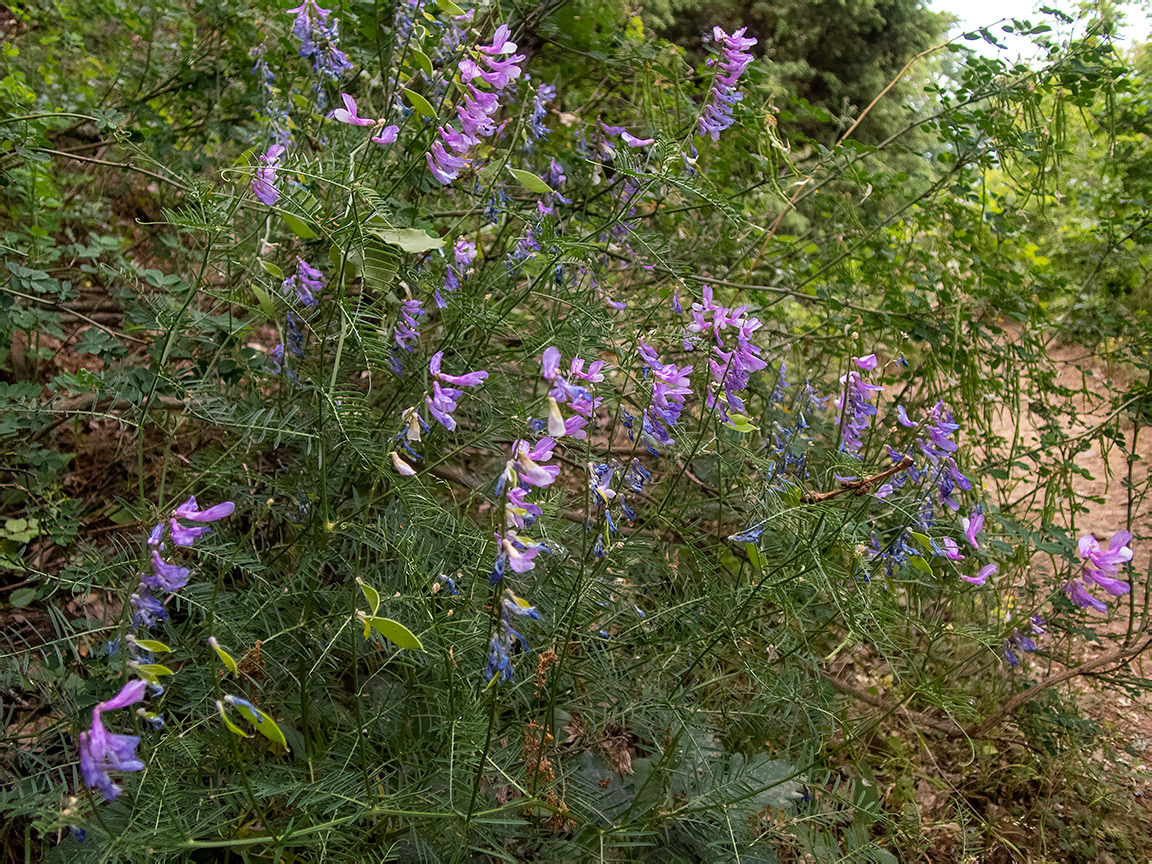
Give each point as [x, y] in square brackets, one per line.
[348, 114]
[169, 577]
[867, 362]
[856, 408]
[633, 141]
[1079, 596]
[973, 525]
[734, 59]
[444, 166]
[950, 550]
[1100, 565]
[501, 648]
[264, 183]
[982, 577]
[501, 72]
[1023, 642]
[470, 379]
[464, 253]
[189, 510]
[902, 418]
[183, 536]
[536, 129]
[146, 609]
[307, 280]
[319, 39]
[156, 535]
[521, 552]
[406, 333]
[102, 751]
[518, 512]
[386, 135]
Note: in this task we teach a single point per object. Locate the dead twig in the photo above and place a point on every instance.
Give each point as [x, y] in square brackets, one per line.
[860, 487]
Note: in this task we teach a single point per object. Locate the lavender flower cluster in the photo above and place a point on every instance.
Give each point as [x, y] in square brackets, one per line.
[478, 108]
[731, 365]
[319, 39]
[103, 752]
[1100, 567]
[441, 404]
[734, 59]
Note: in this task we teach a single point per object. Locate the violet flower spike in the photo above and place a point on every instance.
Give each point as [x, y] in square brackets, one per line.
[734, 59]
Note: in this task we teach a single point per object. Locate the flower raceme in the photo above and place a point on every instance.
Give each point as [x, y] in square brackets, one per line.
[441, 403]
[445, 391]
[734, 59]
[1099, 567]
[731, 366]
[305, 284]
[166, 576]
[562, 391]
[319, 39]
[507, 640]
[448, 155]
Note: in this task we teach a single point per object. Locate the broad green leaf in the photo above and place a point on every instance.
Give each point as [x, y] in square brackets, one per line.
[232, 727]
[299, 227]
[923, 539]
[226, 659]
[263, 724]
[151, 672]
[22, 597]
[449, 7]
[153, 645]
[414, 240]
[371, 595]
[265, 301]
[422, 61]
[742, 424]
[920, 564]
[271, 269]
[421, 105]
[396, 633]
[530, 181]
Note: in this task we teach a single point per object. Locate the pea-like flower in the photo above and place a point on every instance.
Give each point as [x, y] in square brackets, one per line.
[973, 524]
[264, 183]
[168, 577]
[190, 510]
[982, 576]
[1100, 565]
[102, 752]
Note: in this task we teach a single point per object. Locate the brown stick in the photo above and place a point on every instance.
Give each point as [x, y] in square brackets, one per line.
[1004, 711]
[857, 486]
[983, 728]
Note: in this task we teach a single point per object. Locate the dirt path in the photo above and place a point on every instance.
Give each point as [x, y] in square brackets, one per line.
[1105, 493]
